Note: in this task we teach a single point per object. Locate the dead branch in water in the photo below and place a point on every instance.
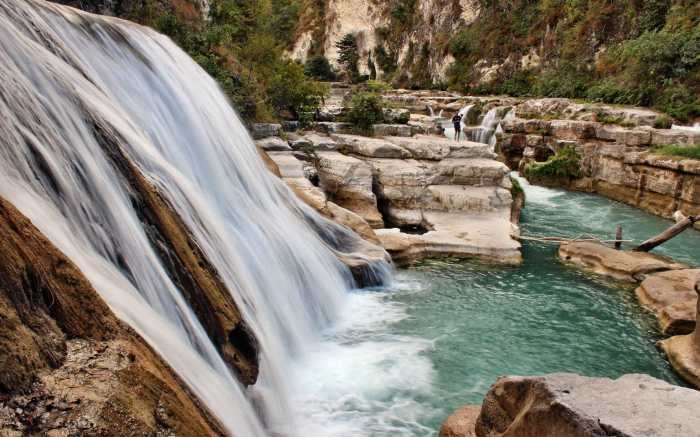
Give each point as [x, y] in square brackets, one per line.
[561, 240]
[669, 233]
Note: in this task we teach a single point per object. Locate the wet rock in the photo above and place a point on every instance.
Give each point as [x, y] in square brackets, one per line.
[262, 130]
[671, 296]
[618, 264]
[273, 144]
[461, 423]
[683, 351]
[81, 370]
[563, 404]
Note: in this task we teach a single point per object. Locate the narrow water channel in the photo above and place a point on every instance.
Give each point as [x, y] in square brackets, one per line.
[408, 355]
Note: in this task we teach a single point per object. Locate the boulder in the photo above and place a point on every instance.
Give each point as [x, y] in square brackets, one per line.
[262, 130]
[683, 352]
[618, 264]
[273, 144]
[671, 296]
[370, 147]
[320, 142]
[564, 404]
[461, 423]
[290, 125]
[348, 182]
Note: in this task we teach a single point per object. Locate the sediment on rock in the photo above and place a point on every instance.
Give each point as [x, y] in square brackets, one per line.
[55, 327]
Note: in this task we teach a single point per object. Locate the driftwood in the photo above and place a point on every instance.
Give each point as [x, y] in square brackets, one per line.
[666, 235]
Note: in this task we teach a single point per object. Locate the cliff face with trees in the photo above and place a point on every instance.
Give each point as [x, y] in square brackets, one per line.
[636, 52]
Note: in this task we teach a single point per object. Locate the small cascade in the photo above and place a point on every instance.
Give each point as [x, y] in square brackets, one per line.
[487, 127]
[693, 128]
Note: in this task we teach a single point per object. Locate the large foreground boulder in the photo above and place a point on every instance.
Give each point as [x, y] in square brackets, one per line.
[567, 405]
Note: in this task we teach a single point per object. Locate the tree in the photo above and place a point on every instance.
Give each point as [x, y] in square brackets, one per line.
[318, 67]
[349, 56]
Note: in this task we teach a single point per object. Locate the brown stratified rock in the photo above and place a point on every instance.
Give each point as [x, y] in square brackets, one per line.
[566, 405]
[461, 423]
[69, 366]
[671, 296]
[683, 352]
[188, 267]
[618, 264]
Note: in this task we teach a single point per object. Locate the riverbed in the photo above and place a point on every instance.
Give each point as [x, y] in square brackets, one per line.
[405, 356]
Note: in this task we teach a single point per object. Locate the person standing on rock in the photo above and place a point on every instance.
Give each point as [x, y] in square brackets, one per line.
[457, 122]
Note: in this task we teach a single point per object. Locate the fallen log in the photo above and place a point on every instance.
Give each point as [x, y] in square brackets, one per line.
[666, 235]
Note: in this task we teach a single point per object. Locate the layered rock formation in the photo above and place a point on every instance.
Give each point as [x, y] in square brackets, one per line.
[616, 161]
[69, 366]
[426, 196]
[572, 405]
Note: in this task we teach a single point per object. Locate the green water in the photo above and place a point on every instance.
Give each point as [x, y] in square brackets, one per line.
[407, 356]
[541, 317]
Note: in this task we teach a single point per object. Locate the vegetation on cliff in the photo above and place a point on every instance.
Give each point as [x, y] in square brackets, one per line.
[240, 44]
[644, 52]
[673, 150]
[565, 164]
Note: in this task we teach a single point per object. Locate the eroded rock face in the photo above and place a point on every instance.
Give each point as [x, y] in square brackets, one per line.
[618, 264]
[55, 329]
[573, 405]
[671, 296]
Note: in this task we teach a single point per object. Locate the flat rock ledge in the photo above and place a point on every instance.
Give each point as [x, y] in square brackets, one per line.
[617, 264]
[563, 404]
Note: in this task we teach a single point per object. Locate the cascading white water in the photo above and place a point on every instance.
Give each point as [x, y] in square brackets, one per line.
[64, 73]
[488, 126]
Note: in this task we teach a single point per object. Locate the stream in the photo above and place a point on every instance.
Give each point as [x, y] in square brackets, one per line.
[406, 356]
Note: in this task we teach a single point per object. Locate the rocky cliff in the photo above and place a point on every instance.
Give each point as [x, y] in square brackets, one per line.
[410, 37]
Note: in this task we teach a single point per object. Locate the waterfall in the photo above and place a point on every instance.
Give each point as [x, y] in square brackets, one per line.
[68, 80]
[487, 127]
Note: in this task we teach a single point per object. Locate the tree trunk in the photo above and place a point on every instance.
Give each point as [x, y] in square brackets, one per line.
[667, 234]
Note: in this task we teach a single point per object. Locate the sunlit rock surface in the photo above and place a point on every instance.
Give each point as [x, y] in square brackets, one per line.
[671, 296]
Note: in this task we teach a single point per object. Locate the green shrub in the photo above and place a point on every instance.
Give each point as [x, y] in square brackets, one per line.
[663, 121]
[377, 86]
[692, 152]
[566, 164]
[365, 109]
[319, 68]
